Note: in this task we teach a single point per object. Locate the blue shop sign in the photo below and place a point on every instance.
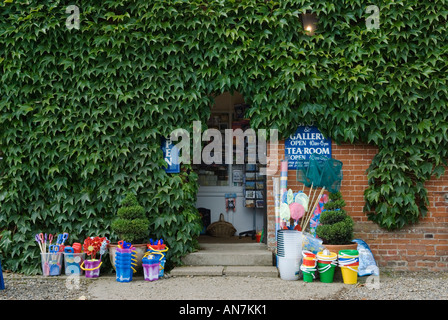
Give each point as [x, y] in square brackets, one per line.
[306, 141]
[171, 156]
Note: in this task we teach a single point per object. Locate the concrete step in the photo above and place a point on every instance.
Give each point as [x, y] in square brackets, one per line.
[232, 247]
[240, 271]
[247, 254]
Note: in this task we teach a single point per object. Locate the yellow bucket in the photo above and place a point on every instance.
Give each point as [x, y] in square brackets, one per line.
[323, 257]
[350, 274]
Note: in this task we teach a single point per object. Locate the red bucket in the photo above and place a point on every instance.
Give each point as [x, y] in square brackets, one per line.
[309, 262]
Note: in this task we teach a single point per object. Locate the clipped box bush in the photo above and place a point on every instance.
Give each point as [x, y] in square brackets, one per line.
[336, 226]
[131, 224]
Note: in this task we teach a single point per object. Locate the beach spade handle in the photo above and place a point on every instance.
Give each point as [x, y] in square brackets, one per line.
[312, 211]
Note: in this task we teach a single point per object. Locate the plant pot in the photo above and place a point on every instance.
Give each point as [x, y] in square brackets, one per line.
[140, 248]
[337, 247]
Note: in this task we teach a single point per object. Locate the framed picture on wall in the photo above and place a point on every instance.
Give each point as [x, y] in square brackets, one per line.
[250, 176]
[250, 194]
[250, 185]
[250, 204]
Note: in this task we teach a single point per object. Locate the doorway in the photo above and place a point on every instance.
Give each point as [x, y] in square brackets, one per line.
[235, 191]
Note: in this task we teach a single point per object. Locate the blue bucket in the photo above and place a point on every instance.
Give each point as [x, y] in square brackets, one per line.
[124, 273]
[123, 266]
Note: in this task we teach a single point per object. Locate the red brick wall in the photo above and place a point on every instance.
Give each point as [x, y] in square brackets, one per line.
[423, 246]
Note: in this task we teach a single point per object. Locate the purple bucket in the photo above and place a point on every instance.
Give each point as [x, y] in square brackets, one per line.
[151, 271]
[92, 268]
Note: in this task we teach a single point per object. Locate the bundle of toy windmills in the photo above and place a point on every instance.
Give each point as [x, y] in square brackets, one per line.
[296, 210]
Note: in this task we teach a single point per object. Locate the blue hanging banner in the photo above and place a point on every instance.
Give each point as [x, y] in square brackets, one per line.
[306, 141]
[171, 156]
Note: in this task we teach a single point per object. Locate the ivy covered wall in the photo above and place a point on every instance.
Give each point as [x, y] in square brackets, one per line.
[83, 110]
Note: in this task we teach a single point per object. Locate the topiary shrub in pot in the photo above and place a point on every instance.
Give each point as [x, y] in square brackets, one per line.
[336, 226]
[132, 226]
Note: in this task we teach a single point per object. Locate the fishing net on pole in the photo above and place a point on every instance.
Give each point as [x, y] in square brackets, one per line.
[316, 169]
[331, 177]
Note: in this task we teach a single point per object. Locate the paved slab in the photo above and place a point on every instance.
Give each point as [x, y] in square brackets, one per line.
[197, 271]
[251, 271]
[212, 288]
[240, 271]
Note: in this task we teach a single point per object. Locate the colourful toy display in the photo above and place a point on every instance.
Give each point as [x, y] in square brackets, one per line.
[73, 261]
[348, 260]
[158, 248]
[326, 264]
[308, 266]
[92, 246]
[125, 261]
[51, 260]
[150, 263]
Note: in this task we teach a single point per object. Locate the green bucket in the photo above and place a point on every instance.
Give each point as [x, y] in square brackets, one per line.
[326, 272]
[308, 276]
[350, 253]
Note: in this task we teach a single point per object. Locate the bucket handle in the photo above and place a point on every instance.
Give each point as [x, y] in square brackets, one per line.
[347, 256]
[85, 269]
[159, 253]
[308, 270]
[354, 270]
[347, 262]
[164, 250]
[326, 268]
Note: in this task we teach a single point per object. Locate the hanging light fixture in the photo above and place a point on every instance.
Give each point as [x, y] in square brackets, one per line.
[309, 22]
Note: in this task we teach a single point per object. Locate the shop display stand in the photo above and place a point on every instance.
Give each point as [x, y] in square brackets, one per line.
[255, 196]
[246, 199]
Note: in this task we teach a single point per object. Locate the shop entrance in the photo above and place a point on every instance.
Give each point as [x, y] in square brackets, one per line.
[235, 192]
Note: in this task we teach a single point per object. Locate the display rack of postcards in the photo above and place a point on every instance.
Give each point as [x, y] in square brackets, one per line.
[254, 187]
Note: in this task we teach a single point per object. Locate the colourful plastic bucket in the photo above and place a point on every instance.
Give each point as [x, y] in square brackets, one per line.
[51, 264]
[347, 254]
[73, 263]
[324, 258]
[348, 260]
[326, 272]
[151, 271]
[309, 262]
[308, 254]
[326, 265]
[308, 273]
[92, 268]
[350, 274]
[124, 273]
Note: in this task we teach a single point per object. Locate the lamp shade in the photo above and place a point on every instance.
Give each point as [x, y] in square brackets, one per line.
[309, 22]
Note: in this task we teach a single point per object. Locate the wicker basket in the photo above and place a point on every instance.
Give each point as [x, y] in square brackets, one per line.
[221, 228]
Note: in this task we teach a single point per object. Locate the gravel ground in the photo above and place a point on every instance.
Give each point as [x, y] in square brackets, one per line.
[389, 286]
[398, 286]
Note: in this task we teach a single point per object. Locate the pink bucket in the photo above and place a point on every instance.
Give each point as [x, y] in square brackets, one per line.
[151, 271]
[92, 268]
